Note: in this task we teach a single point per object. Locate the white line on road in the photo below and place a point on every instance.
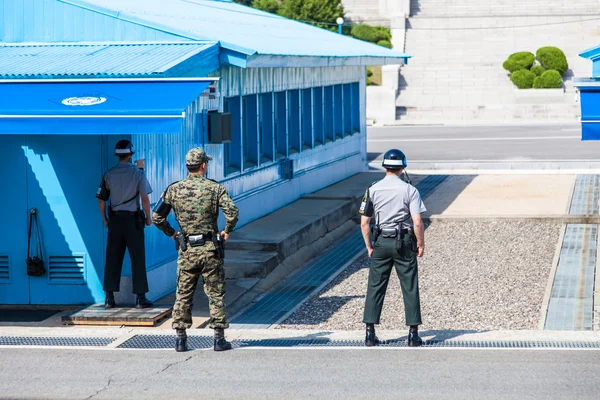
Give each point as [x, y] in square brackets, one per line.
[478, 139]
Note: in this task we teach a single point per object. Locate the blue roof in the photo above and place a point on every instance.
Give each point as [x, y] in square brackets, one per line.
[592, 53]
[241, 29]
[105, 59]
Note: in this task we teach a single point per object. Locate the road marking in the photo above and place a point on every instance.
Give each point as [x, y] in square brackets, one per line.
[479, 139]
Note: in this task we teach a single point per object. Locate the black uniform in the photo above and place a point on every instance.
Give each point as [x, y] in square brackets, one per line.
[124, 184]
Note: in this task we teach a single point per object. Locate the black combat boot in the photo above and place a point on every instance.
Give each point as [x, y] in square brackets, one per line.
[181, 341]
[220, 343]
[110, 300]
[413, 337]
[141, 301]
[370, 338]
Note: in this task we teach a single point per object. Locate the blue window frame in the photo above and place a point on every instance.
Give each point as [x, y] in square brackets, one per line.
[318, 125]
[356, 107]
[307, 123]
[266, 128]
[294, 121]
[280, 124]
[250, 130]
[233, 156]
[338, 112]
[347, 101]
[328, 114]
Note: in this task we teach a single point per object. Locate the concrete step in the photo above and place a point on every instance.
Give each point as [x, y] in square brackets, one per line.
[249, 264]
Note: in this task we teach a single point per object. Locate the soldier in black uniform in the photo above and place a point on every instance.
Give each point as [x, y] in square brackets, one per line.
[399, 238]
[125, 184]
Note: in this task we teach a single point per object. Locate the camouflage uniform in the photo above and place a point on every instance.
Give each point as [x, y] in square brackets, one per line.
[196, 201]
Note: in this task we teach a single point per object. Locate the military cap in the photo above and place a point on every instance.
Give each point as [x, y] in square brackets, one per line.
[196, 156]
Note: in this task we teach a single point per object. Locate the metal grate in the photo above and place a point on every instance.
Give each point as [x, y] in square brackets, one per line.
[165, 342]
[54, 341]
[204, 342]
[585, 195]
[4, 268]
[571, 299]
[66, 270]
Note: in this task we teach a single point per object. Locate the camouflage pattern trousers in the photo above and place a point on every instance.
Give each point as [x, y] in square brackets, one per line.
[191, 264]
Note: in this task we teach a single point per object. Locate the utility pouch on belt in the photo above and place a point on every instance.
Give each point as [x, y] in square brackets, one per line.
[196, 240]
[180, 242]
[414, 241]
[399, 242]
[140, 220]
[219, 246]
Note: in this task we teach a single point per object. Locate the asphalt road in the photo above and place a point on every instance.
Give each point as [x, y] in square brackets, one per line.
[300, 374]
[483, 143]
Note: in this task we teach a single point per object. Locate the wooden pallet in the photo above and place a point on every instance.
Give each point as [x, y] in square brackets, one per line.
[131, 316]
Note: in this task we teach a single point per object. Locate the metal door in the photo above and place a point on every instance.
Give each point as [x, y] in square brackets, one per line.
[63, 173]
[14, 282]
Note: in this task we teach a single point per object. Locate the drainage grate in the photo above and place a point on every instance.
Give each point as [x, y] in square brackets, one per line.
[54, 341]
[205, 342]
[165, 342]
[572, 296]
[585, 195]
[282, 299]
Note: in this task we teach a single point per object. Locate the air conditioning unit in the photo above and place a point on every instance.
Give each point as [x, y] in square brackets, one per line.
[219, 127]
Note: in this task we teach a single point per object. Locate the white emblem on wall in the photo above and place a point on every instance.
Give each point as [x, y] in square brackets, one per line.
[83, 101]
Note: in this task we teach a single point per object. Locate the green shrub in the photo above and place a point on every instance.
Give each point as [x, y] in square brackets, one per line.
[523, 78]
[522, 59]
[270, 6]
[548, 80]
[369, 33]
[385, 43]
[552, 58]
[537, 70]
[511, 66]
[369, 72]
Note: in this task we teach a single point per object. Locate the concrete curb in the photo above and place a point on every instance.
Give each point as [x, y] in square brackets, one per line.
[565, 219]
[500, 166]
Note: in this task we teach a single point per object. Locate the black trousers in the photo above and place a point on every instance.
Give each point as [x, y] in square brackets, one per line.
[123, 233]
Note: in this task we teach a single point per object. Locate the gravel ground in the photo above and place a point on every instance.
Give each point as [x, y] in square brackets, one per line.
[474, 275]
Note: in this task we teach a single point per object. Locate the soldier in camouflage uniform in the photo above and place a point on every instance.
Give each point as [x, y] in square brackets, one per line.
[196, 201]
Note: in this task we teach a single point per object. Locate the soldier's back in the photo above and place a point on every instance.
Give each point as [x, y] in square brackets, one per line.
[195, 201]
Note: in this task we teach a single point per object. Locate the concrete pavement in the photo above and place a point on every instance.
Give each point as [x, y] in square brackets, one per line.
[504, 147]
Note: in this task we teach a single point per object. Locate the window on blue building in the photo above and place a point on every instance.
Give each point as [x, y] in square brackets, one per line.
[250, 130]
[338, 112]
[356, 107]
[280, 125]
[233, 158]
[293, 121]
[318, 116]
[347, 100]
[328, 116]
[266, 127]
[307, 123]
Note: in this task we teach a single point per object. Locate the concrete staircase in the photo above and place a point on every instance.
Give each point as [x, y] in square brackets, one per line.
[458, 48]
[364, 11]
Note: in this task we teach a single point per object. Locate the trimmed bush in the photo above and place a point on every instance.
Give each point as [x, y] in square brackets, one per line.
[270, 6]
[511, 66]
[552, 58]
[548, 80]
[523, 78]
[385, 43]
[369, 33]
[520, 60]
[537, 70]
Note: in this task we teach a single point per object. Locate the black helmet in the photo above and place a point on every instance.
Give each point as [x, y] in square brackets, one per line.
[123, 148]
[394, 159]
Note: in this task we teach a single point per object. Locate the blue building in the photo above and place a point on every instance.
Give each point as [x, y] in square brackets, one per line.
[589, 89]
[77, 76]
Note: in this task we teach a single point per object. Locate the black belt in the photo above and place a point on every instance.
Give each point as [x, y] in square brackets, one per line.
[391, 233]
[205, 236]
[125, 213]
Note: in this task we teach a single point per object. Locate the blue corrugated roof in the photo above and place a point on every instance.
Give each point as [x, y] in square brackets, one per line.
[238, 28]
[102, 59]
